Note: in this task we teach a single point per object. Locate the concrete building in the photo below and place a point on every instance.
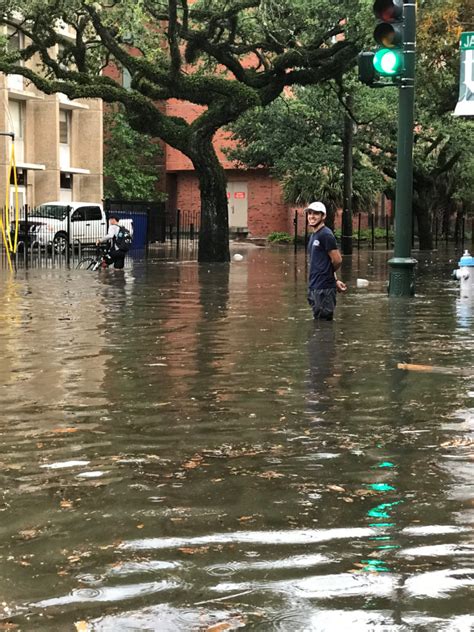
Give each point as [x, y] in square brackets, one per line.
[58, 142]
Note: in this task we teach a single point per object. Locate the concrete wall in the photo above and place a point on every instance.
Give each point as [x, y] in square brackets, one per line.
[41, 144]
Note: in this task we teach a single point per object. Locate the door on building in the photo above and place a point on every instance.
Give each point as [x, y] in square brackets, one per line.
[21, 197]
[237, 204]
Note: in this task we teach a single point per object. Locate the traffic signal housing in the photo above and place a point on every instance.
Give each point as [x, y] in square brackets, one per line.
[388, 60]
[366, 66]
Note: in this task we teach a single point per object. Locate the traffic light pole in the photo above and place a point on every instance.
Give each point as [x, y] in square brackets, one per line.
[402, 265]
[346, 237]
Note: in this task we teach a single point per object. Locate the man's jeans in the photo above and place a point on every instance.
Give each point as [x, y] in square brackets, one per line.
[323, 303]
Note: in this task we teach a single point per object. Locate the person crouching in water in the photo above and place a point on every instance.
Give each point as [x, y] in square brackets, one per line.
[324, 261]
[114, 254]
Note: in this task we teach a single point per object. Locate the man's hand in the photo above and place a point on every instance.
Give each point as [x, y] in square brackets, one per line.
[341, 286]
[97, 243]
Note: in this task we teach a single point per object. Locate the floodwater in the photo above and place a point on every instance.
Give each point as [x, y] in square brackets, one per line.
[184, 449]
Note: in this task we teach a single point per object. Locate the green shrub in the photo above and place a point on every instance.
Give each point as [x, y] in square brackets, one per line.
[280, 238]
[366, 234]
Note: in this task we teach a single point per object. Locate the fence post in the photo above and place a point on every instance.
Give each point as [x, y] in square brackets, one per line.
[387, 232]
[27, 236]
[463, 232]
[295, 224]
[148, 229]
[436, 230]
[178, 228]
[68, 208]
[358, 231]
[372, 228]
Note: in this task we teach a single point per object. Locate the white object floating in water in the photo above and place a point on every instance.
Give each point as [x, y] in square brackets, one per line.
[95, 474]
[362, 283]
[61, 464]
[237, 257]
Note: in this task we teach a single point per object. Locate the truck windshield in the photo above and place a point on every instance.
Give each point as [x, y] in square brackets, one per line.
[53, 211]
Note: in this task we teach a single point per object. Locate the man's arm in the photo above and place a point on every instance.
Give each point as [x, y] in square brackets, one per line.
[110, 235]
[336, 260]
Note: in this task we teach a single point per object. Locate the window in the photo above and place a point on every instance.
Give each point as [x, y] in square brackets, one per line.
[126, 78]
[78, 215]
[20, 177]
[65, 180]
[93, 212]
[64, 126]
[16, 111]
[15, 39]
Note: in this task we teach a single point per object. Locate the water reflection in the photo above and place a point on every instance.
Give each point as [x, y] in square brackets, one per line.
[182, 447]
[322, 362]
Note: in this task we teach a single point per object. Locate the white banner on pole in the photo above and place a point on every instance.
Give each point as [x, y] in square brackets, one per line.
[465, 105]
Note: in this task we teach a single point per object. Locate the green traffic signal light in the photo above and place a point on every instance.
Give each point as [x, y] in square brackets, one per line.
[388, 62]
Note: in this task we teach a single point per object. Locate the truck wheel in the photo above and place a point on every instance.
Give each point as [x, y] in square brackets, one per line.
[60, 243]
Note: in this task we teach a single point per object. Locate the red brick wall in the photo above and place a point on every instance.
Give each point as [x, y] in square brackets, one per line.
[267, 212]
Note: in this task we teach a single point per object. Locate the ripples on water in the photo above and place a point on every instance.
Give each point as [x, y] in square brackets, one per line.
[183, 449]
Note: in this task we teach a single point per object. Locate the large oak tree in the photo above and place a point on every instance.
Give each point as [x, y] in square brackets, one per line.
[226, 56]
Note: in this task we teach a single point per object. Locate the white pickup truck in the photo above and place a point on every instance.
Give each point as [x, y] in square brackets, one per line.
[49, 225]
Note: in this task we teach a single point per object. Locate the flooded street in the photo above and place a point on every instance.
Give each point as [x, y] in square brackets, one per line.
[184, 449]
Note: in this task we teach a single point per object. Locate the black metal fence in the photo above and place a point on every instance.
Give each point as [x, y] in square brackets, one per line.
[55, 235]
[370, 231]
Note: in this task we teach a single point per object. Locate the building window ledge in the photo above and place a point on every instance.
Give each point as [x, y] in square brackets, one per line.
[32, 166]
[77, 170]
[23, 95]
[67, 104]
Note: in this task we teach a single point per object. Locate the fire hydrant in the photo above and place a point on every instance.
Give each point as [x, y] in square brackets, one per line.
[465, 274]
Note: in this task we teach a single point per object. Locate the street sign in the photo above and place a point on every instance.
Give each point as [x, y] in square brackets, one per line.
[465, 105]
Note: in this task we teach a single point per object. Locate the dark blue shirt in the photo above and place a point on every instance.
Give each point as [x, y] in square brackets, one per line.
[321, 272]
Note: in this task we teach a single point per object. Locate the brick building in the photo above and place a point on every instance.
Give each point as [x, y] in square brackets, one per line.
[256, 206]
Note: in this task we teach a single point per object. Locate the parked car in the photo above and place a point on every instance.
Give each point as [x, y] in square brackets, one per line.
[49, 224]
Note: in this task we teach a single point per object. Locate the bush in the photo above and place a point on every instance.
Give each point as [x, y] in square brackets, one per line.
[280, 238]
[366, 234]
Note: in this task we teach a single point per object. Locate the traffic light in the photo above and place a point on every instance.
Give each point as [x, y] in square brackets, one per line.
[366, 67]
[388, 60]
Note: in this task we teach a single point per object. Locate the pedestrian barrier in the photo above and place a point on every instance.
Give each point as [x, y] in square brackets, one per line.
[58, 235]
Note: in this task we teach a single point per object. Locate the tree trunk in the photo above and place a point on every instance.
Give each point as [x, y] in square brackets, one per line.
[331, 215]
[214, 231]
[425, 235]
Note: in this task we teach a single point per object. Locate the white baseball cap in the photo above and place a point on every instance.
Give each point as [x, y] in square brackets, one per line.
[317, 207]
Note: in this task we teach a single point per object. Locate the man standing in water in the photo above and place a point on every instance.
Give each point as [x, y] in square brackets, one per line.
[324, 260]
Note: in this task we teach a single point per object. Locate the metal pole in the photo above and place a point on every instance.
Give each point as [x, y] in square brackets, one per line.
[295, 237]
[27, 236]
[346, 236]
[68, 254]
[178, 228]
[402, 276]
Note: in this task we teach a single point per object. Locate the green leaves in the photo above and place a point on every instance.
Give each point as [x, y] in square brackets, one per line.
[130, 162]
